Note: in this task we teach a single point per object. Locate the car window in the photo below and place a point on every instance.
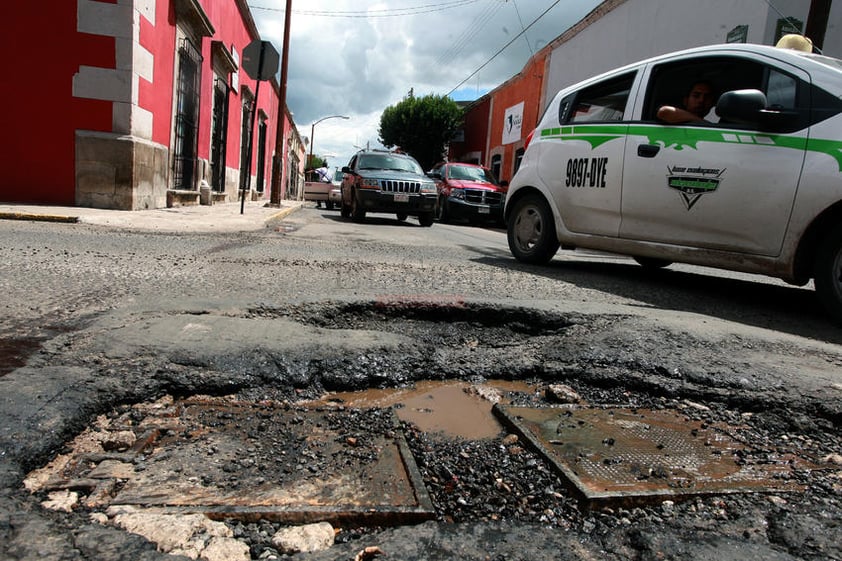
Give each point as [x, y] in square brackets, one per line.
[389, 162]
[469, 173]
[605, 101]
[781, 91]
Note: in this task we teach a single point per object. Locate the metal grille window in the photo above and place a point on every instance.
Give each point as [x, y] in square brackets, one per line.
[219, 136]
[245, 173]
[186, 115]
[261, 155]
[496, 165]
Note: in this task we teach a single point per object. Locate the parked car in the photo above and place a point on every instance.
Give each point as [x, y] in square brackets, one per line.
[335, 195]
[383, 181]
[317, 187]
[468, 192]
[759, 191]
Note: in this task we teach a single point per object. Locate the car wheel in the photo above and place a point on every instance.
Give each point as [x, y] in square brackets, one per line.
[357, 211]
[652, 262]
[531, 230]
[426, 219]
[329, 205]
[402, 216]
[441, 210]
[828, 273]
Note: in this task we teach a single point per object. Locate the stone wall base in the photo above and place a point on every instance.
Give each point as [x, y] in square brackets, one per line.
[120, 172]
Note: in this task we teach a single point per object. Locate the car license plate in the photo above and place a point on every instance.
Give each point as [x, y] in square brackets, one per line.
[485, 209]
[401, 198]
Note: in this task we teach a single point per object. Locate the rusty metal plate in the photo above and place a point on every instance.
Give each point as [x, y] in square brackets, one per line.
[262, 461]
[628, 456]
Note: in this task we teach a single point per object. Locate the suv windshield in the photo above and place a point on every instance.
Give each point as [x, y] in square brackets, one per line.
[469, 173]
[390, 162]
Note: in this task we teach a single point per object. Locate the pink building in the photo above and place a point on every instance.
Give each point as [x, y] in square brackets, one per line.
[139, 104]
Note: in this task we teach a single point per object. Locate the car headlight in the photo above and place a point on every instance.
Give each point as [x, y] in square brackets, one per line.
[370, 183]
[458, 194]
[428, 188]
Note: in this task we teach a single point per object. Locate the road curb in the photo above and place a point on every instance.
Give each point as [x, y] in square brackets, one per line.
[38, 217]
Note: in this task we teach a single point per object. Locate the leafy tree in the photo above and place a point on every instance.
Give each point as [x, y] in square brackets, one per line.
[421, 127]
[315, 161]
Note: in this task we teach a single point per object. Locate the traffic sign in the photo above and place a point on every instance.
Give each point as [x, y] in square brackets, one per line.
[260, 60]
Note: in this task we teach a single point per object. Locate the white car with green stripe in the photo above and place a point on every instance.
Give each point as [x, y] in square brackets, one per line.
[755, 188]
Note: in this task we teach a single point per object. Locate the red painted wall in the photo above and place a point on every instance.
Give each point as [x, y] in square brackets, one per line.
[40, 114]
[157, 96]
[476, 131]
[525, 87]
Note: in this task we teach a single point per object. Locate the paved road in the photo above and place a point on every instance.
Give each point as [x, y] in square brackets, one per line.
[96, 310]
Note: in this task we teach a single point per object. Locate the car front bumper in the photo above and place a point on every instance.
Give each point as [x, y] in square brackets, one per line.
[459, 208]
[379, 201]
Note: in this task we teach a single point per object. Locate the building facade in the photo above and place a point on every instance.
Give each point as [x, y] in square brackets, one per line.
[140, 104]
[616, 33]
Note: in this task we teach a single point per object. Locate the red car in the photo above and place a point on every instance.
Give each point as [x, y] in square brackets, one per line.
[468, 192]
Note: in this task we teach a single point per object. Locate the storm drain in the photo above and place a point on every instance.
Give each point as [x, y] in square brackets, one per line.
[249, 461]
[631, 456]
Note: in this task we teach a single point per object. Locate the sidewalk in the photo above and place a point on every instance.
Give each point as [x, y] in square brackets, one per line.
[224, 217]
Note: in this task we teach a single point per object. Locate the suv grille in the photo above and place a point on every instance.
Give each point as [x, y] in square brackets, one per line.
[393, 186]
[483, 197]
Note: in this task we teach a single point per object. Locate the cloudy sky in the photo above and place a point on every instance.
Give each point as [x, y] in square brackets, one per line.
[357, 57]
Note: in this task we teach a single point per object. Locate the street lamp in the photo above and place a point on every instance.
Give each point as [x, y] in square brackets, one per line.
[313, 130]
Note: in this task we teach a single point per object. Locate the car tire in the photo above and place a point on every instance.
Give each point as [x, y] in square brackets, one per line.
[828, 273]
[402, 216]
[531, 230]
[442, 214]
[426, 219]
[329, 205]
[357, 211]
[652, 263]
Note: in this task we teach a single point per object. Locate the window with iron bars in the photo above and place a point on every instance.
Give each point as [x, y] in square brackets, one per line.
[187, 116]
[219, 134]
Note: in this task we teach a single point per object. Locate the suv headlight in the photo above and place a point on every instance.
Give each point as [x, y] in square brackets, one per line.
[458, 194]
[370, 183]
[428, 188]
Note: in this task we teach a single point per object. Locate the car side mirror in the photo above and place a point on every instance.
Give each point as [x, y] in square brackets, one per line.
[434, 175]
[346, 169]
[741, 106]
[748, 107]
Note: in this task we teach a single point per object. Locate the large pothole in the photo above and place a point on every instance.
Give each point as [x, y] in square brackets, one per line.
[270, 455]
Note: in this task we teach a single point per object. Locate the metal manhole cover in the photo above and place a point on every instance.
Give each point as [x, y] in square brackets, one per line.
[631, 455]
[250, 461]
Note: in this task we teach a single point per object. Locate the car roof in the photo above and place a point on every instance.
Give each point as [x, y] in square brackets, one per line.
[464, 164]
[823, 67]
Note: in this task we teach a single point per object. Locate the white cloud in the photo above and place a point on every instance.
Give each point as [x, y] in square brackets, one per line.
[360, 64]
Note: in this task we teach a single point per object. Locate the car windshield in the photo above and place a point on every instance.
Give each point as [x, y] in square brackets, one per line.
[390, 162]
[470, 173]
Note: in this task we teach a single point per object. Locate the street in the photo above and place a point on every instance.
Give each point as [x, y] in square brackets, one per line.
[99, 317]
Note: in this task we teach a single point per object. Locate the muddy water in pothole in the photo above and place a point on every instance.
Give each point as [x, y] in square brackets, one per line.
[455, 409]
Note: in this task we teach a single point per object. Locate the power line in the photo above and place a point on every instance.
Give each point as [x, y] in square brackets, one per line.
[471, 31]
[376, 13]
[506, 46]
[528, 44]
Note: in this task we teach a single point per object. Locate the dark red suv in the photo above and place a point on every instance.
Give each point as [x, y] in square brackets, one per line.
[468, 192]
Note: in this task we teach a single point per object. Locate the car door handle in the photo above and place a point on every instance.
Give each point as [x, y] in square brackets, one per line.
[648, 150]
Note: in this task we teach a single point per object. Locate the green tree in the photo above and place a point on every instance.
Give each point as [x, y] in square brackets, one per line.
[315, 161]
[421, 126]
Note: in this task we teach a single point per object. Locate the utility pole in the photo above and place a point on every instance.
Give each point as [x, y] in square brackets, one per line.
[280, 146]
[817, 22]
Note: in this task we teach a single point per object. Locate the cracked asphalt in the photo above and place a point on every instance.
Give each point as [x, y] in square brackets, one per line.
[97, 317]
